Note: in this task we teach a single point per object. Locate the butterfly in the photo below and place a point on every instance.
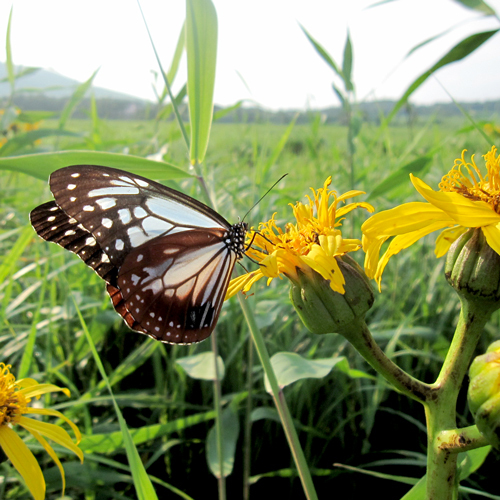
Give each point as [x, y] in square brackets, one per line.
[166, 258]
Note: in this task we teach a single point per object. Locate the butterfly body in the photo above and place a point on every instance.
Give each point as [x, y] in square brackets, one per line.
[166, 258]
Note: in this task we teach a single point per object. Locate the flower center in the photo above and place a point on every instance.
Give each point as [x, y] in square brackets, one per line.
[471, 184]
[12, 402]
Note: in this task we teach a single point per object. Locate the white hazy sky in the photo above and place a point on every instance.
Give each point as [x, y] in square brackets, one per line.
[263, 55]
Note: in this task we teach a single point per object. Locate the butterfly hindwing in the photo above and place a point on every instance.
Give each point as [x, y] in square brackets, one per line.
[167, 258]
[53, 224]
[178, 295]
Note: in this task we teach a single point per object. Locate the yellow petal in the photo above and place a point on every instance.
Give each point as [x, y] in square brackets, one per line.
[327, 266]
[401, 242]
[345, 210]
[53, 455]
[446, 238]
[53, 432]
[39, 389]
[245, 281]
[349, 194]
[55, 413]
[468, 213]
[23, 460]
[371, 247]
[492, 234]
[404, 219]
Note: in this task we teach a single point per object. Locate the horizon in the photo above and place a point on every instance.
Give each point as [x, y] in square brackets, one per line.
[267, 60]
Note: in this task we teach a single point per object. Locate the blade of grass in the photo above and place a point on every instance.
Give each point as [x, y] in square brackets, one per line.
[9, 62]
[458, 52]
[201, 47]
[142, 483]
[41, 165]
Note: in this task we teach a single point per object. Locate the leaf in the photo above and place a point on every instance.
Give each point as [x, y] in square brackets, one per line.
[323, 53]
[225, 111]
[21, 141]
[113, 441]
[202, 366]
[41, 165]
[290, 367]
[400, 176]
[478, 5]
[461, 50]
[75, 99]
[347, 64]
[230, 433]
[471, 460]
[9, 62]
[201, 45]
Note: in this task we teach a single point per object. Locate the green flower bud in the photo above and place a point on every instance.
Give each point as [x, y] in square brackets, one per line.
[484, 393]
[324, 311]
[473, 268]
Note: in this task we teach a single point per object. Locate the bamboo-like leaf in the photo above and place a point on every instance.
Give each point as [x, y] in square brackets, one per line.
[478, 5]
[77, 96]
[323, 53]
[225, 111]
[41, 165]
[112, 441]
[201, 45]
[400, 176]
[347, 64]
[21, 141]
[461, 50]
[9, 62]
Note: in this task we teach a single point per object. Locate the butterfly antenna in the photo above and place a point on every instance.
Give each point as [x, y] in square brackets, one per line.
[263, 196]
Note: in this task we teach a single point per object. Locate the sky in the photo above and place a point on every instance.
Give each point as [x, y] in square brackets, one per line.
[263, 56]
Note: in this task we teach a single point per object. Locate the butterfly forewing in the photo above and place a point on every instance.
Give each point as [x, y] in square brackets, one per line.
[123, 210]
[166, 257]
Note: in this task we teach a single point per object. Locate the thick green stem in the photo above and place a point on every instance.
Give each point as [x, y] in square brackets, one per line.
[364, 343]
[279, 401]
[440, 410]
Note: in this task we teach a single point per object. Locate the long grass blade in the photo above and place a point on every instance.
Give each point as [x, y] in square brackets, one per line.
[201, 45]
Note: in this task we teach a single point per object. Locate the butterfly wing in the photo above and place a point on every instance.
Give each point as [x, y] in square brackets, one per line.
[178, 295]
[166, 257]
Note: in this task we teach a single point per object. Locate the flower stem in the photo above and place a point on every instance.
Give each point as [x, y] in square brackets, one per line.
[440, 411]
[361, 338]
[279, 400]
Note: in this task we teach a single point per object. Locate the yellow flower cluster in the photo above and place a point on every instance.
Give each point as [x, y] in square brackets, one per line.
[311, 243]
[14, 398]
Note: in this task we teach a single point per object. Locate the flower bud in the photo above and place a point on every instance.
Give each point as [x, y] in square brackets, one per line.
[324, 311]
[484, 393]
[473, 268]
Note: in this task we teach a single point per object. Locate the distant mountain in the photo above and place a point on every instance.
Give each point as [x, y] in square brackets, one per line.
[54, 85]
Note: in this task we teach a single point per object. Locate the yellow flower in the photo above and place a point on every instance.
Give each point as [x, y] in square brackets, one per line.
[312, 242]
[466, 199]
[14, 397]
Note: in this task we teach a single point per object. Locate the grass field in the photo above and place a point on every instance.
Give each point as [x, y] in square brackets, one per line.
[348, 417]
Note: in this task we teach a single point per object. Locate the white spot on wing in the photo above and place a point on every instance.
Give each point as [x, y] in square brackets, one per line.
[153, 226]
[76, 174]
[106, 203]
[88, 208]
[113, 191]
[51, 218]
[136, 236]
[69, 232]
[176, 212]
[119, 245]
[141, 183]
[107, 223]
[104, 258]
[90, 241]
[71, 186]
[139, 212]
[124, 215]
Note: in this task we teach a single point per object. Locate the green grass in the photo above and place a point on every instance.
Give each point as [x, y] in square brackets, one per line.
[339, 419]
